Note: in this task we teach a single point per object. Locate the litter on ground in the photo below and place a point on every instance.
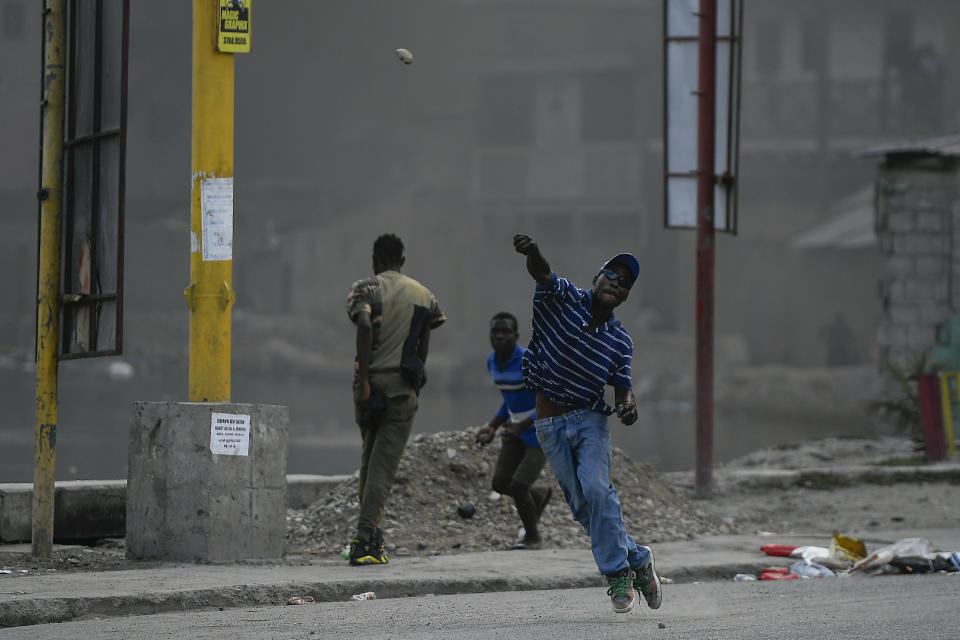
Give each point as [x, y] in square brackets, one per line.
[847, 555]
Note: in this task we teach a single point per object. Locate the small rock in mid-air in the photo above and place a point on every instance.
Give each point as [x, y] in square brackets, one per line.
[405, 56]
[660, 625]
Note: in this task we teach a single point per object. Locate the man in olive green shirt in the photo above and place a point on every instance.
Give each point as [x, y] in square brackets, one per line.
[394, 315]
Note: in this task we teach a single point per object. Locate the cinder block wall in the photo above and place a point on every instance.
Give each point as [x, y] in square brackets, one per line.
[918, 225]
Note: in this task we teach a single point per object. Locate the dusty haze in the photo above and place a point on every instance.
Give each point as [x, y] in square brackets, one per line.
[540, 116]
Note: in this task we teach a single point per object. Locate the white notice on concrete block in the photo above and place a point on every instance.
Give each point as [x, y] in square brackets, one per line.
[230, 434]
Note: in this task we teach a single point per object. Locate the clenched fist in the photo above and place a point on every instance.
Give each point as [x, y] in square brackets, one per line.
[523, 243]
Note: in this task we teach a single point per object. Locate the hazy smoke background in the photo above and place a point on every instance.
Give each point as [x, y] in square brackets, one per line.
[542, 116]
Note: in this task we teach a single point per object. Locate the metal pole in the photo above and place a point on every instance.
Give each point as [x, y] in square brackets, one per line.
[706, 142]
[210, 294]
[48, 290]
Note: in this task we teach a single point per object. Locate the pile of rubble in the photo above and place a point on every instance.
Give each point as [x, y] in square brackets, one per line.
[440, 472]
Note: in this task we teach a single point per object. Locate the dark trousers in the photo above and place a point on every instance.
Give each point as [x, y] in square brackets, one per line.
[380, 454]
[518, 463]
[518, 467]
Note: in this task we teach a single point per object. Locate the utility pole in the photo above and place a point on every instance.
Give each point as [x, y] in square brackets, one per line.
[48, 292]
[706, 143]
[210, 295]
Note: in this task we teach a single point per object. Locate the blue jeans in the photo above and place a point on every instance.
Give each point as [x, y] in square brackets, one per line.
[577, 446]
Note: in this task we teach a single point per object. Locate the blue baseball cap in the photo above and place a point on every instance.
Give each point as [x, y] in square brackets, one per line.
[626, 259]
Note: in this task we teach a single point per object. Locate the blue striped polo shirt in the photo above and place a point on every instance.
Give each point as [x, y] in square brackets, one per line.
[518, 401]
[564, 361]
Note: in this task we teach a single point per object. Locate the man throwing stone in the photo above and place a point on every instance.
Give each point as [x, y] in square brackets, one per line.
[577, 348]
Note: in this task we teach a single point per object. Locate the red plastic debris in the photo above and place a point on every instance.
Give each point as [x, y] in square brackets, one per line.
[777, 573]
[779, 576]
[777, 549]
[776, 570]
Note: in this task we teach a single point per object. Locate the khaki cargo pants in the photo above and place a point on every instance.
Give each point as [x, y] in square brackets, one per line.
[382, 448]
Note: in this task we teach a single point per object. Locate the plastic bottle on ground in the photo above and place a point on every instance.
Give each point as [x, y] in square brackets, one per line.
[366, 595]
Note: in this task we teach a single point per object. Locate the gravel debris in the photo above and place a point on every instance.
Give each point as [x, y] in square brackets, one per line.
[830, 451]
[439, 472]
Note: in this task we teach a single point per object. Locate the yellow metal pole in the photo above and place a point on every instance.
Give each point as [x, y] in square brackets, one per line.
[210, 294]
[48, 293]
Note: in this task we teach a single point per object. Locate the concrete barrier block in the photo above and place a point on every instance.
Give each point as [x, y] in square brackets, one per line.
[205, 487]
[16, 506]
[267, 459]
[86, 510]
[268, 507]
[82, 510]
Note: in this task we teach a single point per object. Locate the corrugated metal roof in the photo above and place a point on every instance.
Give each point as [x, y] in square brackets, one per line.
[939, 146]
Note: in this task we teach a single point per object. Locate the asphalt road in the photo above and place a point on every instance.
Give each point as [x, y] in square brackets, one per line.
[850, 608]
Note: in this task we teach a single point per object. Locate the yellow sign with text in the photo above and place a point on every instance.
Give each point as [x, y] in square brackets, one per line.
[233, 26]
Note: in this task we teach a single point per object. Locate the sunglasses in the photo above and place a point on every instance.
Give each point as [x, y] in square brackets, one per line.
[624, 281]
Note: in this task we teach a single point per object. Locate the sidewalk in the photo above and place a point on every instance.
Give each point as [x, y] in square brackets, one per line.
[58, 597]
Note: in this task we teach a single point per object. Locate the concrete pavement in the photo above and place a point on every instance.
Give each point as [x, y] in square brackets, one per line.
[61, 596]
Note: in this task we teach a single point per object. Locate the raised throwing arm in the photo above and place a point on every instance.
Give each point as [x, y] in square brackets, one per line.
[537, 265]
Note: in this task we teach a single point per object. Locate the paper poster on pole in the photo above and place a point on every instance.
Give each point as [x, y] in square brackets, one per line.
[216, 211]
[234, 25]
[230, 434]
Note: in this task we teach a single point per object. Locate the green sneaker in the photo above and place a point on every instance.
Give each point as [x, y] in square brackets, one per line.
[621, 593]
[647, 582]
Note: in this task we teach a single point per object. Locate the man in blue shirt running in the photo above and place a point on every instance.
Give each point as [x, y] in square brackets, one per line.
[521, 459]
[577, 348]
